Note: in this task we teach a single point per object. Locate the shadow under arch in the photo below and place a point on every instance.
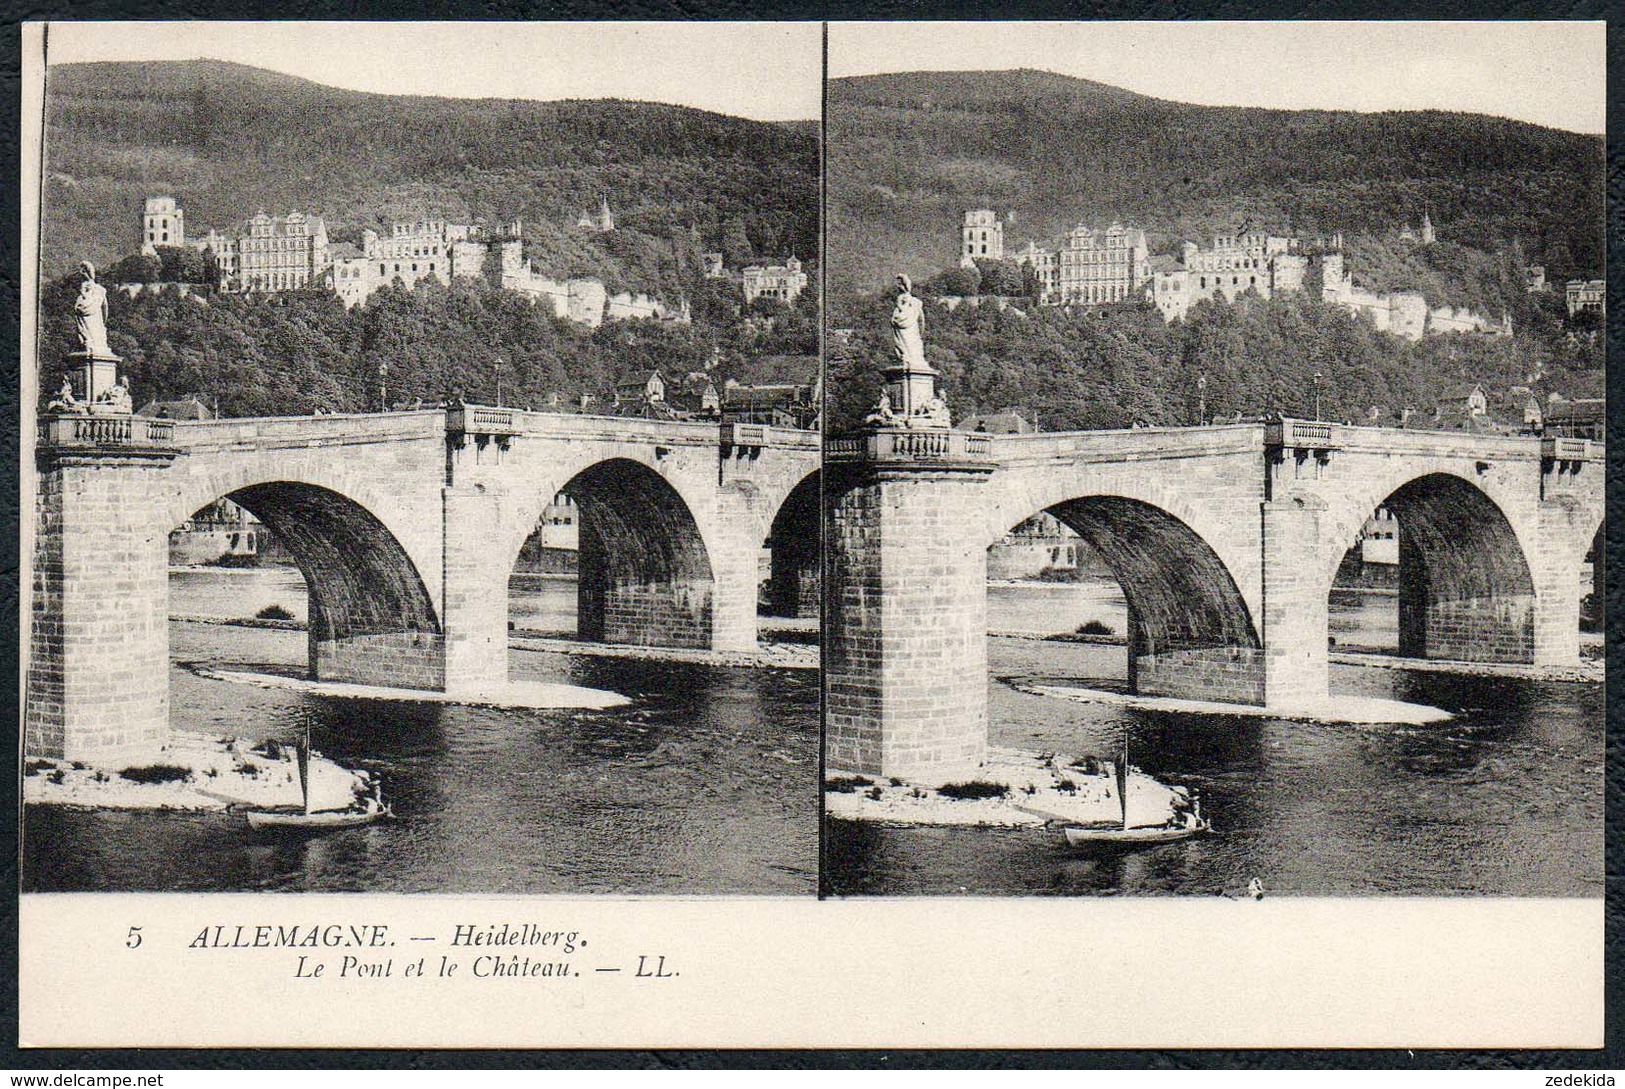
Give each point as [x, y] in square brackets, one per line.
[371, 618]
[1190, 634]
[794, 544]
[644, 576]
[1464, 585]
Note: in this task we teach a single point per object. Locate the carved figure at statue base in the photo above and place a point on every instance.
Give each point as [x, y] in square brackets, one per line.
[882, 416]
[115, 400]
[65, 401]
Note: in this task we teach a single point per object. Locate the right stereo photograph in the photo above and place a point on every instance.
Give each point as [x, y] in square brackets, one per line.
[1213, 470]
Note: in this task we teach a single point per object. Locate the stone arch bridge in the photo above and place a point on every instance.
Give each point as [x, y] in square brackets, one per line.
[406, 527]
[1225, 541]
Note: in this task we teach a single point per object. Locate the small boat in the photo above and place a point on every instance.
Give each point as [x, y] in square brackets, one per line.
[1077, 835]
[1183, 825]
[320, 820]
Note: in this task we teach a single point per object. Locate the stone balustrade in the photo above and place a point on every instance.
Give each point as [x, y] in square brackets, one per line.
[109, 430]
[901, 444]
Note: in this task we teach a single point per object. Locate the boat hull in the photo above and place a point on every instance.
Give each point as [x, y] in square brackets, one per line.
[1078, 836]
[313, 822]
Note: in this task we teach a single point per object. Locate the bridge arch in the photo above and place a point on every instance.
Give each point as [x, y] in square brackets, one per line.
[372, 619]
[644, 573]
[794, 542]
[1466, 587]
[1190, 631]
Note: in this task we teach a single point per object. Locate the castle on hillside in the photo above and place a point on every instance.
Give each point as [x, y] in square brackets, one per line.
[1093, 267]
[426, 249]
[292, 252]
[981, 236]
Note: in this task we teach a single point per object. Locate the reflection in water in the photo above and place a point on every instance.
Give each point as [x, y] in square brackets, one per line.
[705, 783]
[1504, 799]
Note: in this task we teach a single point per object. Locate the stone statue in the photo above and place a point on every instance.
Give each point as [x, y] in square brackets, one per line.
[116, 398]
[90, 315]
[908, 327]
[882, 412]
[65, 400]
[935, 412]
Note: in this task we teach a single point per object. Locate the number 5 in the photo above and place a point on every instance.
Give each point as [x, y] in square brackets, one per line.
[133, 939]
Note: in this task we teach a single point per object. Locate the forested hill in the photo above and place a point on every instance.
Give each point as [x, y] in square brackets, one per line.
[909, 153]
[229, 140]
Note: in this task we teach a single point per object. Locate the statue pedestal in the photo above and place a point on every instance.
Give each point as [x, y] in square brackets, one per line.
[92, 375]
[910, 387]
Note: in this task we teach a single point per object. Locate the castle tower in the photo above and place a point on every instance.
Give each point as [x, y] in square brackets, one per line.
[163, 223]
[982, 236]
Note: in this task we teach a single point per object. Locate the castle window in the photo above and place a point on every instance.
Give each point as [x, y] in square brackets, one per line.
[166, 236]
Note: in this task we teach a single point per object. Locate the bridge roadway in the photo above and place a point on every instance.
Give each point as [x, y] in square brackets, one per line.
[1225, 540]
[406, 527]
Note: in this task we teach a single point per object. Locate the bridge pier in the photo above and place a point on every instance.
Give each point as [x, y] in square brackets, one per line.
[474, 600]
[735, 575]
[1555, 567]
[98, 671]
[1294, 617]
[906, 629]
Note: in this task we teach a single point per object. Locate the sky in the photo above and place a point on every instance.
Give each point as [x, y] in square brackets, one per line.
[1548, 73]
[763, 71]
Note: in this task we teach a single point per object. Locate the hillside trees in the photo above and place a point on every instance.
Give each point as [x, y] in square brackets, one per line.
[299, 352]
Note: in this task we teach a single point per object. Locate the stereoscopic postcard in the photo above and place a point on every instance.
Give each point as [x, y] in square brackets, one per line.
[813, 535]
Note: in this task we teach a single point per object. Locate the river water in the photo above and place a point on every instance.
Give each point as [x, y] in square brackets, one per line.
[1504, 799]
[707, 782]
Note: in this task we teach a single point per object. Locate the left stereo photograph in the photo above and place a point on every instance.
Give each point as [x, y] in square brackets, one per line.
[421, 459]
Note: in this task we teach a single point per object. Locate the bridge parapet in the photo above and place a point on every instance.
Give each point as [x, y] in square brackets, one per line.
[738, 436]
[271, 432]
[76, 430]
[1127, 444]
[903, 445]
[1565, 449]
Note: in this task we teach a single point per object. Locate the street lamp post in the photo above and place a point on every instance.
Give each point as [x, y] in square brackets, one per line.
[1201, 399]
[1318, 377]
[383, 385]
[499, 381]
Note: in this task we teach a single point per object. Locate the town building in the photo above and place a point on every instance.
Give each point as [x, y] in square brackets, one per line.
[641, 394]
[189, 408]
[1534, 279]
[1007, 421]
[1586, 295]
[1582, 418]
[1423, 235]
[981, 238]
[784, 391]
[784, 282]
[602, 221]
[1464, 400]
[696, 398]
[714, 268]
